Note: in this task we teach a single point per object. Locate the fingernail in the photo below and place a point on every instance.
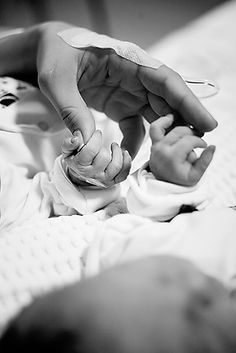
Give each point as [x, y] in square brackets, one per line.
[212, 124]
[213, 148]
[215, 122]
[77, 133]
[127, 152]
[74, 139]
[169, 116]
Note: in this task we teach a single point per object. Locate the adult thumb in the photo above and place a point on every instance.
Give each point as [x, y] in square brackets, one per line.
[68, 102]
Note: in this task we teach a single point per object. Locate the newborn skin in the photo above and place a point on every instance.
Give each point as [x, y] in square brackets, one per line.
[173, 157]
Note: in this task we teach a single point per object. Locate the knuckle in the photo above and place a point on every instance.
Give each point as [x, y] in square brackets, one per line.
[165, 82]
[102, 177]
[187, 139]
[116, 167]
[105, 155]
[69, 116]
[96, 175]
[86, 158]
[111, 171]
[160, 149]
[168, 78]
[154, 128]
[182, 101]
[90, 150]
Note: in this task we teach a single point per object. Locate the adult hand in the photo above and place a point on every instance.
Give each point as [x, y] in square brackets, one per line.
[75, 79]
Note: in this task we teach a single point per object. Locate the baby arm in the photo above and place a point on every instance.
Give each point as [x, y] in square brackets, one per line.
[173, 158]
[175, 170]
[91, 165]
[61, 191]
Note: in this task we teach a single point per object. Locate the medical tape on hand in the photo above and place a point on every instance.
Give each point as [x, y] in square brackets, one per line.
[82, 38]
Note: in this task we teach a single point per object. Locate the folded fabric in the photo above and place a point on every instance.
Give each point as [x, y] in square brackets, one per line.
[206, 238]
[25, 199]
[160, 200]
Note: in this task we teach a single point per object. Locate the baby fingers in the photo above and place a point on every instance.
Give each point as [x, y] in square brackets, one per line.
[188, 143]
[158, 127]
[71, 144]
[201, 164]
[177, 134]
[87, 154]
[102, 160]
[119, 167]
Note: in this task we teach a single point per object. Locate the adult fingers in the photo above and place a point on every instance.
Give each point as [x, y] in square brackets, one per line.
[90, 150]
[158, 128]
[155, 108]
[149, 114]
[58, 66]
[133, 132]
[166, 83]
[200, 166]
[158, 104]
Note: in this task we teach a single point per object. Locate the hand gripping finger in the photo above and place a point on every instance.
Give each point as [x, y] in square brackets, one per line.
[158, 128]
[116, 163]
[71, 144]
[87, 154]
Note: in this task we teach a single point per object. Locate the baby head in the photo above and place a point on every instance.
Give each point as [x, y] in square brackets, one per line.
[158, 304]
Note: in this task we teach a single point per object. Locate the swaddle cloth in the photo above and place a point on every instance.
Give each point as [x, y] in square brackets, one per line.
[82, 38]
[161, 201]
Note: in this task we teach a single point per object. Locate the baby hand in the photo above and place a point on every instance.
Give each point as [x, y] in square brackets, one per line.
[92, 165]
[173, 158]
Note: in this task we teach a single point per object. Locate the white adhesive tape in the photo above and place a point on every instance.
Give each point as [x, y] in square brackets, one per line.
[82, 38]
